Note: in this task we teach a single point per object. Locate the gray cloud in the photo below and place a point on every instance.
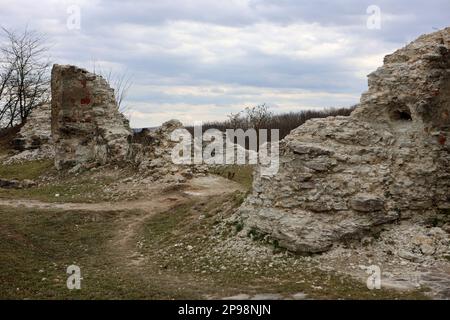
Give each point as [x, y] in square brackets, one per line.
[203, 59]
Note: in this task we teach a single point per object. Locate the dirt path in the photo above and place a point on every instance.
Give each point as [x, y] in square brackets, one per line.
[123, 243]
[144, 205]
[208, 186]
[199, 187]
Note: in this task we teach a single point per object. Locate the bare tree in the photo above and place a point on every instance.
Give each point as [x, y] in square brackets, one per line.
[5, 94]
[121, 83]
[236, 120]
[285, 122]
[24, 75]
[258, 116]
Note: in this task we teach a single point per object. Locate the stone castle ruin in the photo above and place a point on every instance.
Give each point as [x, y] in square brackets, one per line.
[86, 123]
[340, 178]
[83, 128]
[34, 140]
[343, 177]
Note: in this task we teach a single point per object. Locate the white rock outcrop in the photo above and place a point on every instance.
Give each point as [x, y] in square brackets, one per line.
[152, 155]
[34, 140]
[342, 177]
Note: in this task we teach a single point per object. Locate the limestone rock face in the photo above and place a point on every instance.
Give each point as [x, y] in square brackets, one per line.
[86, 124]
[342, 177]
[153, 155]
[34, 140]
[36, 132]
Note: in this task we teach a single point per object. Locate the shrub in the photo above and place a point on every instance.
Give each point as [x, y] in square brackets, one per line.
[260, 117]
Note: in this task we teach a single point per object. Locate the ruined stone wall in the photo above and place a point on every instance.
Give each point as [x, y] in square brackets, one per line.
[343, 177]
[152, 155]
[34, 141]
[86, 124]
[36, 132]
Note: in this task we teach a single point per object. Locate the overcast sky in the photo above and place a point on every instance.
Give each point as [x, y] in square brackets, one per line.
[202, 59]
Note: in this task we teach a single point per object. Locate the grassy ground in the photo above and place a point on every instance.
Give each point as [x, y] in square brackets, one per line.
[27, 170]
[60, 187]
[85, 187]
[182, 250]
[183, 244]
[237, 173]
[82, 190]
[37, 246]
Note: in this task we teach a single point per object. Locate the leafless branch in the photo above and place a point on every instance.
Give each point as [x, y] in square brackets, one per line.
[24, 75]
[121, 83]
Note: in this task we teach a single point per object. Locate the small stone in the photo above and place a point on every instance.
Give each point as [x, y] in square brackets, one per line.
[427, 249]
[267, 296]
[241, 296]
[299, 296]
[366, 203]
[407, 255]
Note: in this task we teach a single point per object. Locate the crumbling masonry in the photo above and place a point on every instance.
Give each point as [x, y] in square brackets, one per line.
[343, 177]
[87, 127]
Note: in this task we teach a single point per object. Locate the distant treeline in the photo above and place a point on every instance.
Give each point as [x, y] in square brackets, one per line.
[260, 118]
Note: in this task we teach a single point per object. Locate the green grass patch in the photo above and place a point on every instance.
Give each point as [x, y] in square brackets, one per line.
[161, 229]
[80, 191]
[36, 248]
[60, 187]
[26, 170]
[240, 174]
